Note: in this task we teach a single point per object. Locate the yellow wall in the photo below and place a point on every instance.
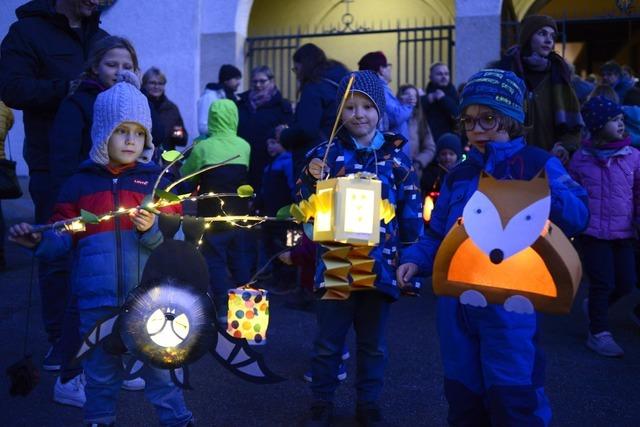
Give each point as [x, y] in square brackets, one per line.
[270, 17]
[572, 8]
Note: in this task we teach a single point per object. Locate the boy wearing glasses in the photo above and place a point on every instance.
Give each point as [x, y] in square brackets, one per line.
[493, 366]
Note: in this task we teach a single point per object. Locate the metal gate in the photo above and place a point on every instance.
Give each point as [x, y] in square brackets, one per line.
[417, 47]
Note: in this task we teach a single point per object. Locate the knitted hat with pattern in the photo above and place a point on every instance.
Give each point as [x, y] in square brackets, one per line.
[367, 83]
[123, 102]
[598, 111]
[498, 89]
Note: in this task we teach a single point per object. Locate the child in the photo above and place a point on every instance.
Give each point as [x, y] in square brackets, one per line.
[609, 169]
[109, 256]
[493, 365]
[71, 132]
[277, 191]
[448, 153]
[359, 147]
[225, 248]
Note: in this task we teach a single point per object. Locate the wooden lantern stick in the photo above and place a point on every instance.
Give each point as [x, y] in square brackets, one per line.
[337, 121]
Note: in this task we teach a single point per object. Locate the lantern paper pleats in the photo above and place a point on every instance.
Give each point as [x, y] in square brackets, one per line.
[348, 268]
[248, 315]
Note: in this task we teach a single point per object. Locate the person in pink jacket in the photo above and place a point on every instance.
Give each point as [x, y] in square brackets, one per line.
[609, 169]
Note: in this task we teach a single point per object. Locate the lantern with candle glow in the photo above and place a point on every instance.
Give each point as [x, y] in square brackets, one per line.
[347, 210]
[504, 250]
[429, 204]
[248, 315]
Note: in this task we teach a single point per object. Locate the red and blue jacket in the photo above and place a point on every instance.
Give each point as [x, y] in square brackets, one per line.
[108, 257]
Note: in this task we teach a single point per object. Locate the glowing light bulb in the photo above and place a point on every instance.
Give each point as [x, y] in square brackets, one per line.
[166, 329]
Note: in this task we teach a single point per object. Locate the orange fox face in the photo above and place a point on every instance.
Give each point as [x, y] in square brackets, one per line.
[504, 217]
[505, 250]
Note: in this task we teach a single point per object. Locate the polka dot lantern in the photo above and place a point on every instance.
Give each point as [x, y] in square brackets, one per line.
[248, 315]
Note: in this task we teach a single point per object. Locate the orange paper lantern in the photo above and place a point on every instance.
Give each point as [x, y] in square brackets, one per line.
[504, 250]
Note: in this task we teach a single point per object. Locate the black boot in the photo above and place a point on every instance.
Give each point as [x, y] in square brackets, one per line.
[368, 414]
[321, 413]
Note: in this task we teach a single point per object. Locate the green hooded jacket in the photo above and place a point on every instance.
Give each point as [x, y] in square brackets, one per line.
[222, 141]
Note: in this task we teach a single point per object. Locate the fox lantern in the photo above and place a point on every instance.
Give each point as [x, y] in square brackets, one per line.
[504, 250]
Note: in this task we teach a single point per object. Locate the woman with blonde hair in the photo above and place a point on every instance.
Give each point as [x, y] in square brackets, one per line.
[421, 146]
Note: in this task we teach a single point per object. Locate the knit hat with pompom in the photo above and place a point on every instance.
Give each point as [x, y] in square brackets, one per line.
[123, 102]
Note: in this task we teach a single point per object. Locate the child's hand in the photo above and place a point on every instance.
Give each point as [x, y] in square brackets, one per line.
[561, 153]
[405, 272]
[318, 169]
[142, 219]
[285, 258]
[22, 235]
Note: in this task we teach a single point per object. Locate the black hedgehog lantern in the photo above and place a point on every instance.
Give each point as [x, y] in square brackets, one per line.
[168, 321]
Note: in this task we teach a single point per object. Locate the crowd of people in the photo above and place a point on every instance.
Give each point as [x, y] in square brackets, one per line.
[96, 129]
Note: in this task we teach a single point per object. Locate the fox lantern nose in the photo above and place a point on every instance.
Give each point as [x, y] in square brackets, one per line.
[496, 256]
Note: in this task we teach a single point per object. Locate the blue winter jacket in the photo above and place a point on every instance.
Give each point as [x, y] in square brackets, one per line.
[399, 186]
[397, 114]
[108, 258]
[503, 160]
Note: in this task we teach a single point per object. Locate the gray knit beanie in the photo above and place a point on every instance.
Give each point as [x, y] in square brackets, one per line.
[123, 102]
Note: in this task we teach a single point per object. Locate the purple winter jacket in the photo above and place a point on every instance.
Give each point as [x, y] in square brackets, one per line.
[613, 186]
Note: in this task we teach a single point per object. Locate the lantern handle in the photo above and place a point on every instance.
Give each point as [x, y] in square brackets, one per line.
[337, 121]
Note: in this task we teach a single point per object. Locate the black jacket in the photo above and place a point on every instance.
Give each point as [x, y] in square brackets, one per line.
[442, 113]
[256, 126]
[165, 115]
[70, 138]
[38, 57]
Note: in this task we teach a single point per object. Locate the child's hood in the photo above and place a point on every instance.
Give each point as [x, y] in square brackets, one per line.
[223, 117]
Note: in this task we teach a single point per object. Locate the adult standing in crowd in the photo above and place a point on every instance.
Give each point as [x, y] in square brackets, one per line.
[396, 116]
[315, 113]
[421, 148]
[621, 82]
[440, 103]
[553, 108]
[261, 109]
[43, 52]
[166, 114]
[229, 79]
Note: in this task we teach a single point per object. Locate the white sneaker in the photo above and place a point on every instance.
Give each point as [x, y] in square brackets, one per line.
[604, 344]
[70, 393]
[135, 384]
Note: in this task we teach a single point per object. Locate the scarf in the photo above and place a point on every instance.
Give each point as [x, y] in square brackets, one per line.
[259, 98]
[565, 104]
[606, 150]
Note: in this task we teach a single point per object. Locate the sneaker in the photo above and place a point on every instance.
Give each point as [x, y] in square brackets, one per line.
[342, 374]
[635, 315]
[604, 344]
[70, 393]
[135, 384]
[368, 414]
[321, 413]
[52, 360]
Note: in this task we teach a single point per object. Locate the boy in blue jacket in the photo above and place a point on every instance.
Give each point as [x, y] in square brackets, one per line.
[109, 256]
[360, 147]
[493, 365]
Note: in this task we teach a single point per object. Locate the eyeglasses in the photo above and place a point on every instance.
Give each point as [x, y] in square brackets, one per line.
[153, 83]
[487, 121]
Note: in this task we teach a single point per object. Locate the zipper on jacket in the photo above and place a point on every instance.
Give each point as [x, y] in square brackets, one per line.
[116, 219]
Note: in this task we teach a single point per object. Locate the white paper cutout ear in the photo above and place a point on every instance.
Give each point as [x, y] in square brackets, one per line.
[484, 227]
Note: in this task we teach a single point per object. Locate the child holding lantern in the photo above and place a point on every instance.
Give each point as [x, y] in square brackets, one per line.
[360, 147]
[109, 256]
[493, 366]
